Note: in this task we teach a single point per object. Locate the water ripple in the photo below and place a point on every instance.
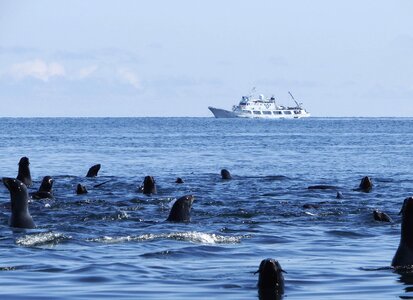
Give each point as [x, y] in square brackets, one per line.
[194, 237]
[40, 239]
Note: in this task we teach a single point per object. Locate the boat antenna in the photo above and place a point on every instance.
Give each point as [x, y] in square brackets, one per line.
[253, 90]
[298, 104]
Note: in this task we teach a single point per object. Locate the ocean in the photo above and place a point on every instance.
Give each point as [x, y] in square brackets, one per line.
[115, 242]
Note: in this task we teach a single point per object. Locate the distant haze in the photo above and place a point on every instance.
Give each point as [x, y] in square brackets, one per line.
[176, 58]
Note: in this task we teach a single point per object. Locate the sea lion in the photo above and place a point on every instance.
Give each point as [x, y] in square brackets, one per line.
[404, 253]
[179, 180]
[93, 171]
[81, 189]
[322, 187]
[365, 185]
[20, 216]
[24, 171]
[270, 276]
[102, 183]
[181, 210]
[311, 206]
[225, 174]
[149, 186]
[45, 189]
[381, 216]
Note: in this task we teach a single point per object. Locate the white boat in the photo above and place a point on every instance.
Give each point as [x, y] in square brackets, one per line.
[261, 108]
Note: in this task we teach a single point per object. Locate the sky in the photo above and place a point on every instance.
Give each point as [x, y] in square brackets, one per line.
[175, 58]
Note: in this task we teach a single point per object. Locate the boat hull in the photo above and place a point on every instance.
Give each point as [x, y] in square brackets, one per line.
[222, 113]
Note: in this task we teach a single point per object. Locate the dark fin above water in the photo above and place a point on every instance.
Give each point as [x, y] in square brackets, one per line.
[102, 183]
[93, 171]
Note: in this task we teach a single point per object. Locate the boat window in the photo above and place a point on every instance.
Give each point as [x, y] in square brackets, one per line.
[246, 111]
[297, 112]
[257, 112]
[266, 112]
[287, 112]
[277, 112]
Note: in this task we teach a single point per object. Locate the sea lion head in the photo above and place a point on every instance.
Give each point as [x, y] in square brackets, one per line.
[225, 174]
[47, 184]
[271, 275]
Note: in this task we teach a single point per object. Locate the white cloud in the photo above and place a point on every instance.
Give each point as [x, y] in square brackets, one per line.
[129, 77]
[38, 69]
[45, 71]
[87, 71]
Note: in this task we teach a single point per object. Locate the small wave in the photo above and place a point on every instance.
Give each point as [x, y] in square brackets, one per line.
[276, 177]
[195, 237]
[119, 215]
[310, 214]
[369, 269]
[40, 239]
[346, 233]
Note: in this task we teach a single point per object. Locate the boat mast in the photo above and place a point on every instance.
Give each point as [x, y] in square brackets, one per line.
[252, 92]
[296, 103]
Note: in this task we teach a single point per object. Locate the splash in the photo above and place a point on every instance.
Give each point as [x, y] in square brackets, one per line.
[194, 237]
[39, 239]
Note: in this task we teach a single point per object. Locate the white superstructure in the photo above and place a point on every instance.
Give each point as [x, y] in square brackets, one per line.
[260, 107]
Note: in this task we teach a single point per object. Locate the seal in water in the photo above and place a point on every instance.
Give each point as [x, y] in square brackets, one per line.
[270, 276]
[181, 210]
[365, 185]
[149, 186]
[404, 253]
[179, 180]
[20, 216]
[310, 205]
[381, 216]
[45, 189]
[225, 174]
[81, 189]
[93, 171]
[24, 171]
[322, 187]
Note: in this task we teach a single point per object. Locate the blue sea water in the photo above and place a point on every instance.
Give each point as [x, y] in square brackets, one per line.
[114, 242]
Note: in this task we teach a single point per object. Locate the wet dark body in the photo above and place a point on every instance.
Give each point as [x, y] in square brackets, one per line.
[45, 189]
[181, 210]
[19, 197]
[270, 280]
[24, 171]
[404, 254]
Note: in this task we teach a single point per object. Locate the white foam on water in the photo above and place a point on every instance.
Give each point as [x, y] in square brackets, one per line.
[192, 236]
[42, 238]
